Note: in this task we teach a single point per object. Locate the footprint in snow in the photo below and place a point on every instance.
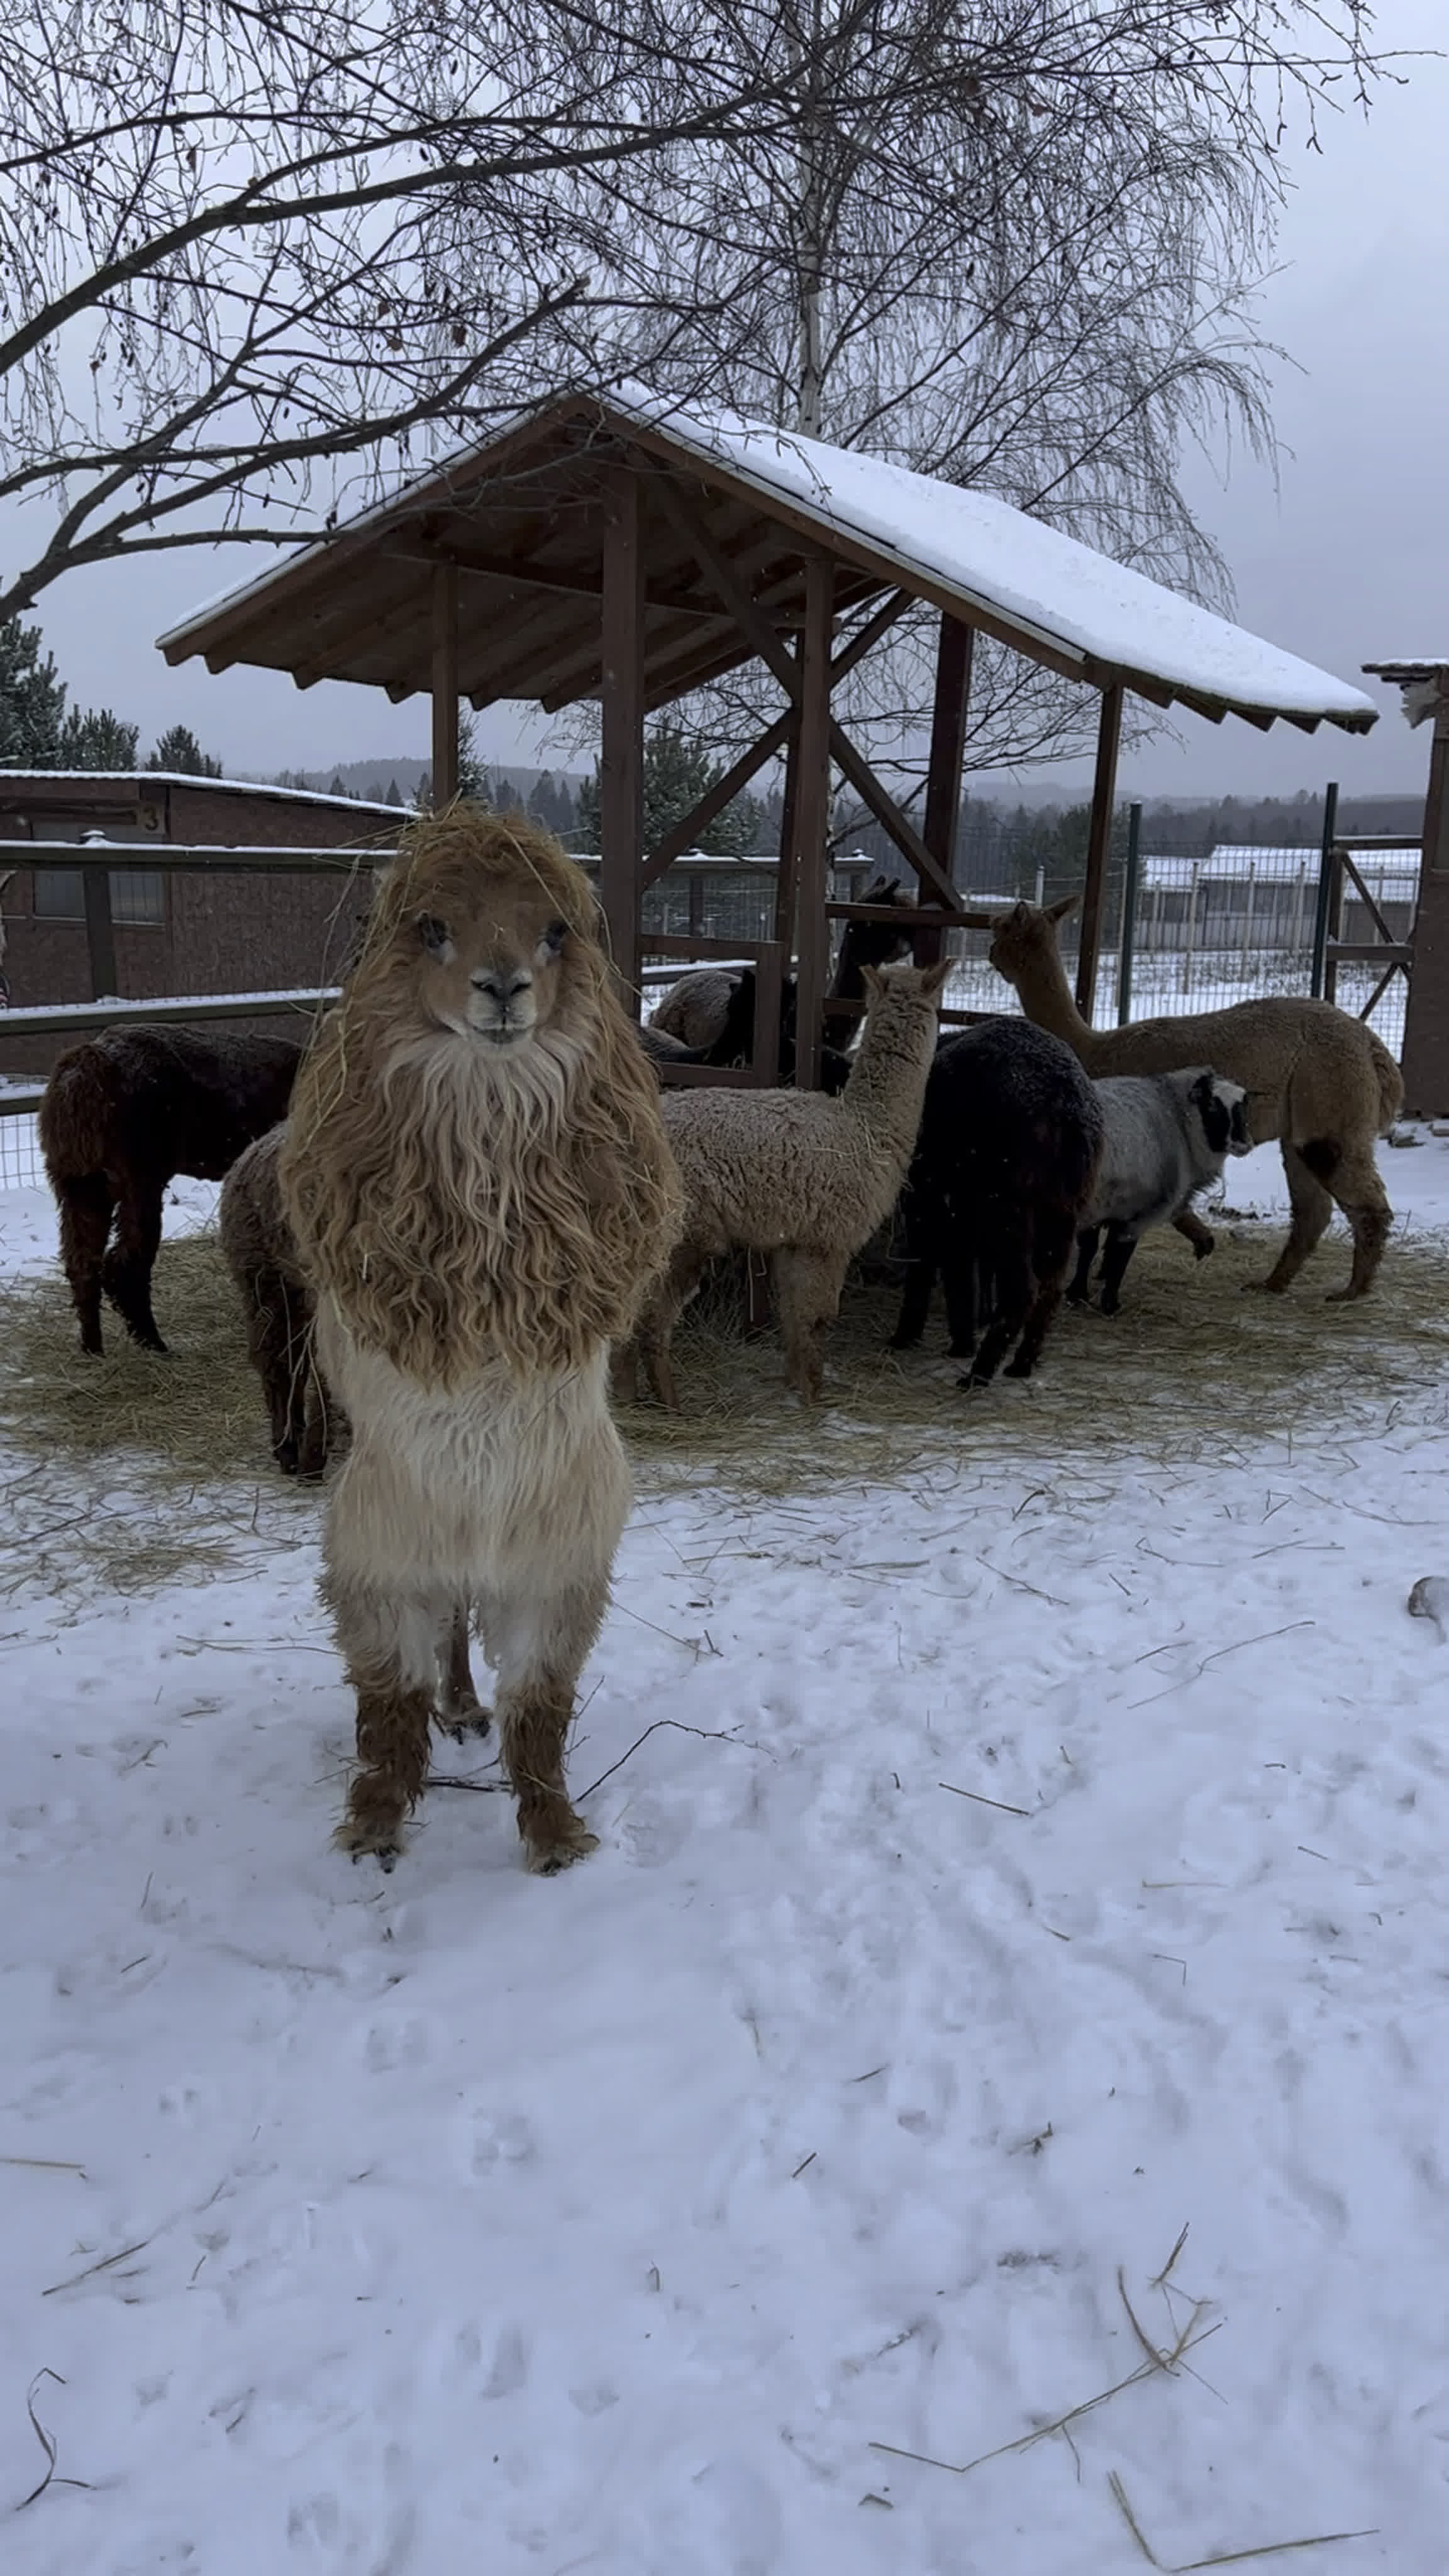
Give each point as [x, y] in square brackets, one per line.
[498, 2138]
[390, 2044]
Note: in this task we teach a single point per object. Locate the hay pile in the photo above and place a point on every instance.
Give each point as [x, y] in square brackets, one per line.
[1192, 1368]
[132, 1470]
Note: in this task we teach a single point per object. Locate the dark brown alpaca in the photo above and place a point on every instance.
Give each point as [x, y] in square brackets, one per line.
[123, 1113]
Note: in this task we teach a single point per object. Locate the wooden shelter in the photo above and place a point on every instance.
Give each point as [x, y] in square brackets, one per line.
[623, 550]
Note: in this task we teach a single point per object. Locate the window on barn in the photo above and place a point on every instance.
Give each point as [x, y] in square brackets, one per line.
[139, 901]
[60, 894]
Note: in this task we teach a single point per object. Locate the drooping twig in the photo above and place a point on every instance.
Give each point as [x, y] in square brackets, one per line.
[707, 1735]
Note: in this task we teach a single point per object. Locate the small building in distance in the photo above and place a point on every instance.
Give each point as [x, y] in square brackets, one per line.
[174, 935]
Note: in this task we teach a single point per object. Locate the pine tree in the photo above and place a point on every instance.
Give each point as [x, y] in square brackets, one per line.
[97, 740]
[472, 776]
[678, 771]
[32, 700]
[179, 752]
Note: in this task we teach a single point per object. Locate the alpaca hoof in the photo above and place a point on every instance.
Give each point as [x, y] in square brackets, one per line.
[386, 1855]
[380, 1836]
[1200, 1251]
[463, 1723]
[285, 1456]
[960, 1350]
[1018, 1368]
[551, 1848]
[1112, 1307]
[904, 1342]
[1345, 1296]
[1269, 1287]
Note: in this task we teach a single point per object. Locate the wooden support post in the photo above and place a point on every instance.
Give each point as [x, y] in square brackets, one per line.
[785, 881]
[100, 933]
[1128, 949]
[1104, 797]
[1323, 902]
[621, 763]
[445, 686]
[943, 773]
[812, 821]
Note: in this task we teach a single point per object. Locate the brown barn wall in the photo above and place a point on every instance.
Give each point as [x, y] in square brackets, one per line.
[222, 934]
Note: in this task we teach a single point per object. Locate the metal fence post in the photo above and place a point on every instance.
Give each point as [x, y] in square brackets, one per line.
[1326, 867]
[1129, 915]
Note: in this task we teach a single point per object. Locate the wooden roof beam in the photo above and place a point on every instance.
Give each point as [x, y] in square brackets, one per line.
[528, 576]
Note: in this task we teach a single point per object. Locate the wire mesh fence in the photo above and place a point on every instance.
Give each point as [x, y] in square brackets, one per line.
[20, 1165]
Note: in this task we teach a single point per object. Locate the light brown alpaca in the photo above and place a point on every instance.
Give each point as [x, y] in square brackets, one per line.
[805, 1178]
[1316, 1079]
[477, 1180]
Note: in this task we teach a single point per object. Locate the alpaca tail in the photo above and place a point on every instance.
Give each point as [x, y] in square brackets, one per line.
[1390, 1082]
[74, 1119]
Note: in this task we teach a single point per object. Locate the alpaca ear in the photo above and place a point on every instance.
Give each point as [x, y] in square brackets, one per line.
[936, 978]
[1059, 911]
[872, 982]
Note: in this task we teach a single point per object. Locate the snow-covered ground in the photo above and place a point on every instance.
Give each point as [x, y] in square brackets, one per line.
[1057, 1867]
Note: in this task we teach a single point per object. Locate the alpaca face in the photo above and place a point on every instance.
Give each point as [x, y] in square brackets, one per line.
[1011, 942]
[1024, 934]
[495, 975]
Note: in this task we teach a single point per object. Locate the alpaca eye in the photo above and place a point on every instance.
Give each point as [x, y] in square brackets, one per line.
[554, 937]
[434, 934]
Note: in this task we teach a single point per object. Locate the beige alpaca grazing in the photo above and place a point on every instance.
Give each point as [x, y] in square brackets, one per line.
[1318, 1080]
[476, 1177]
[792, 1173]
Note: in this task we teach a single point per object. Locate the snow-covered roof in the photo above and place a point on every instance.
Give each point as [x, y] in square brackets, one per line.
[1392, 875]
[142, 778]
[356, 605]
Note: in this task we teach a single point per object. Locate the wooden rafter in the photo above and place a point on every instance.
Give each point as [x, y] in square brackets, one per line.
[759, 633]
[683, 834]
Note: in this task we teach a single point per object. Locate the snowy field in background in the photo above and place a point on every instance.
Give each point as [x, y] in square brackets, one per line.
[459, 2221]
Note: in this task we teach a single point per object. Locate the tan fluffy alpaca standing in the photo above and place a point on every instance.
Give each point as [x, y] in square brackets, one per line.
[476, 1176]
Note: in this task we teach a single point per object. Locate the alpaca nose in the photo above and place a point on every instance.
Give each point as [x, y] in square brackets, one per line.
[502, 989]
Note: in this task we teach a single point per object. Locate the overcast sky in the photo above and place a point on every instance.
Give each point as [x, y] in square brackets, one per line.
[1346, 561]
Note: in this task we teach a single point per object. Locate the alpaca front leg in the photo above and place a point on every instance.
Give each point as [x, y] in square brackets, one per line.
[390, 1645]
[538, 1648]
[1312, 1207]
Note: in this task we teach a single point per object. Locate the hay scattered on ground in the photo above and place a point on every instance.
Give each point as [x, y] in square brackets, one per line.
[1193, 1368]
[132, 1471]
